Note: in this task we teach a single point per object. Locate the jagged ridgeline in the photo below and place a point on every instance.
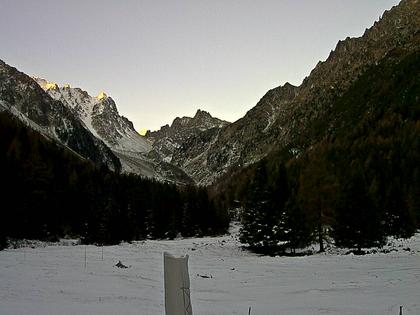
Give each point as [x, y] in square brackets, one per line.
[99, 115]
[287, 115]
[23, 97]
[72, 165]
[50, 192]
[346, 163]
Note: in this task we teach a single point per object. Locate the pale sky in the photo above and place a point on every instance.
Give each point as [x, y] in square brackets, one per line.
[162, 59]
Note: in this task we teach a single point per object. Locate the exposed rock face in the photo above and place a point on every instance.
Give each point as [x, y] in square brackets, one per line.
[285, 117]
[345, 64]
[208, 155]
[21, 96]
[100, 116]
[169, 138]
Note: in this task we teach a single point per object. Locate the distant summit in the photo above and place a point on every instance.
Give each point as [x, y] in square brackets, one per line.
[168, 138]
[46, 85]
[101, 96]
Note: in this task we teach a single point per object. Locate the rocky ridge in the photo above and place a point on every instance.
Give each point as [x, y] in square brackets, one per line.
[287, 116]
[24, 98]
[100, 116]
[168, 139]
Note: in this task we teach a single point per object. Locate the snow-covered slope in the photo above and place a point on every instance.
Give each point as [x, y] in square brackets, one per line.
[100, 115]
[224, 280]
[22, 97]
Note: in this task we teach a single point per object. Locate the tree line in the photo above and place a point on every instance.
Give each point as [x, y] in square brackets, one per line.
[49, 192]
[356, 185]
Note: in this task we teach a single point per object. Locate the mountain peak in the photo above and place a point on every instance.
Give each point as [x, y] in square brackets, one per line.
[102, 95]
[288, 85]
[46, 85]
[51, 86]
[201, 114]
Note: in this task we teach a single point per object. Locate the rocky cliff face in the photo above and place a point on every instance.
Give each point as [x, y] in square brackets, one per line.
[208, 155]
[21, 96]
[169, 138]
[100, 116]
[288, 116]
[332, 78]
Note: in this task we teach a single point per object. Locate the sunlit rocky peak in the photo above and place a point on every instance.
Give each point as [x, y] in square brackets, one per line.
[51, 86]
[101, 96]
[142, 132]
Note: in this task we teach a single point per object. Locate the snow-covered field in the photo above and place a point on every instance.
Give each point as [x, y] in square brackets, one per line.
[224, 280]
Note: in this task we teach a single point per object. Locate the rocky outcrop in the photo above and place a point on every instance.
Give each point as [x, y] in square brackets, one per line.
[169, 138]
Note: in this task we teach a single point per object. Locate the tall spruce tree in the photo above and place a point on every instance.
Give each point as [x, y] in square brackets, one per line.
[258, 229]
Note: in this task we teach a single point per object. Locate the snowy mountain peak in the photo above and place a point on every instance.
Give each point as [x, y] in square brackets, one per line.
[99, 115]
[21, 96]
[46, 85]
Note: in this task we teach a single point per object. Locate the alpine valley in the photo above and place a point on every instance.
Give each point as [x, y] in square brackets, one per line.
[326, 173]
[201, 149]
[352, 124]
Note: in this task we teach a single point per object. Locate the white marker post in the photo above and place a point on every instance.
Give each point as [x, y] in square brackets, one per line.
[177, 285]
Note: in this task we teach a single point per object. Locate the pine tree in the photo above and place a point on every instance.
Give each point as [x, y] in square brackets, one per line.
[260, 223]
[298, 233]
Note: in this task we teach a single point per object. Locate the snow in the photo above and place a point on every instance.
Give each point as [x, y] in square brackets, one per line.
[131, 141]
[83, 106]
[224, 279]
[136, 163]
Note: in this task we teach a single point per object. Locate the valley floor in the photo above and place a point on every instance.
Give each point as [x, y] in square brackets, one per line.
[224, 280]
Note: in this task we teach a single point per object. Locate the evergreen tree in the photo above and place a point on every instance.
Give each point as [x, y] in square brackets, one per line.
[357, 223]
[299, 233]
[261, 223]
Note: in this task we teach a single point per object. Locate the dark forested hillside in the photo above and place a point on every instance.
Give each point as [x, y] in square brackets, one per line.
[359, 183]
[49, 192]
